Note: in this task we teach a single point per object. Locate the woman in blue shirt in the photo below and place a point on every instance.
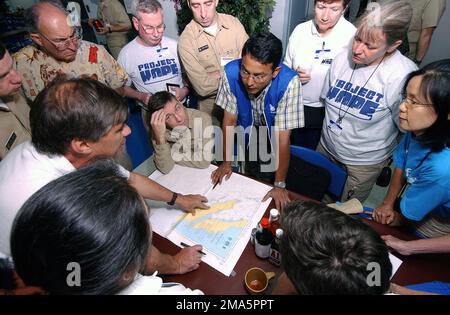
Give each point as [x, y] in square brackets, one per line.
[422, 164]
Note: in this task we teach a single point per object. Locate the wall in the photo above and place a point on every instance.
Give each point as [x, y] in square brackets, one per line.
[440, 44]
[279, 19]
[13, 4]
[170, 19]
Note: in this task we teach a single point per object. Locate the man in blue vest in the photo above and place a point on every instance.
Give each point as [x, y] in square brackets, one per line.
[262, 97]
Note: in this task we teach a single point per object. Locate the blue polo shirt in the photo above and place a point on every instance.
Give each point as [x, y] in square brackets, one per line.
[429, 189]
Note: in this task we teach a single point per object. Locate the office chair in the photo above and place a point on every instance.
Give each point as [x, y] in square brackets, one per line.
[138, 144]
[338, 176]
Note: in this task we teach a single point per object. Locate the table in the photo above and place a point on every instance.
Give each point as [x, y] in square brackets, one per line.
[414, 269]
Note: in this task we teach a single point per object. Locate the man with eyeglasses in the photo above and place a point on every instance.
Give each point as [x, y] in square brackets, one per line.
[180, 135]
[151, 59]
[262, 96]
[207, 43]
[58, 49]
[14, 110]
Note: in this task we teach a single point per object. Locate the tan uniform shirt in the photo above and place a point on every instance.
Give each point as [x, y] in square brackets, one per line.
[112, 12]
[201, 53]
[426, 13]
[190, 147]
[14, 123]
[38, 69]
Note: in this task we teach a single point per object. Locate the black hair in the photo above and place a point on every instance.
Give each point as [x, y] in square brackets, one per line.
[91, 217]
[159, 100]
[435, 88]
[265, 48]
[325, 251]
[70, 109]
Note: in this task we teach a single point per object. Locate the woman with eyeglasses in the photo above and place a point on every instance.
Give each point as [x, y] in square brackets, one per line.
[362, 96]
[419, 194]
[311, 49]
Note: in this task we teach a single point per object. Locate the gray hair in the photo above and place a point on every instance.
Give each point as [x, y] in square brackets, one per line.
[392, 17]
[35, 11]
[146, 6]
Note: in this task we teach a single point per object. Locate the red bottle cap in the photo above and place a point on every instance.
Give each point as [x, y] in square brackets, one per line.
[265, 223]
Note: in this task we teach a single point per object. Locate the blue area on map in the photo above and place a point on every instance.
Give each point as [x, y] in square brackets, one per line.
[220, 243]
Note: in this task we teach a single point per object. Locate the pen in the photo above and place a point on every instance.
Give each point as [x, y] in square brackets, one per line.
[215, 185]
[186, 245]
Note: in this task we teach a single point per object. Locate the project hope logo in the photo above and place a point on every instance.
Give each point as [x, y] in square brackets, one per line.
[151, 72]
[361, 102]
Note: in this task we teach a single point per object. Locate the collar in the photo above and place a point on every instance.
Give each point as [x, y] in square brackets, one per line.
[3, 106]
[199, 30]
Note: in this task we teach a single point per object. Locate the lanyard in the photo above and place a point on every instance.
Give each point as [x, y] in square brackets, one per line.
[340, 118]
[406, 184]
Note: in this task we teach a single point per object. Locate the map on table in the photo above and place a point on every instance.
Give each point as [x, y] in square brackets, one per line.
[224, 229]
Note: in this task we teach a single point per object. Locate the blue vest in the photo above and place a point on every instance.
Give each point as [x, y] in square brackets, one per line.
[274, 94]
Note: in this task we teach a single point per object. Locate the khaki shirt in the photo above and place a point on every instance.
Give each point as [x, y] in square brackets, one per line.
[426, 13]
[14, 122]
[112, 12]
[201, 52]
[38, 69]
[190, 147]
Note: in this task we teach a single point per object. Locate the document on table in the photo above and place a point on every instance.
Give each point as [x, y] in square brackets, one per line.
[224, 229]
[396, 262]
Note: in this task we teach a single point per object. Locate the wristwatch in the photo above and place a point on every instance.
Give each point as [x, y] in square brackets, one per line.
[174, 197]
[281, 185]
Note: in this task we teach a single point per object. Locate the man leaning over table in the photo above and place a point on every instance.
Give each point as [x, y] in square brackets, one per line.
[259, 93]
[75, 122]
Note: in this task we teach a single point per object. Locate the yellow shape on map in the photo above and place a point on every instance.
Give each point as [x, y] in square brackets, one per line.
[214, 225]
[199, 213]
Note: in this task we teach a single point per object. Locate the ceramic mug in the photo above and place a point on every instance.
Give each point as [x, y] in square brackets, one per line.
[256, 280]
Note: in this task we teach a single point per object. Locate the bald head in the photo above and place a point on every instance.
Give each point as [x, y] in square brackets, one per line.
[40, 7]
[48, 13]
[51, 30]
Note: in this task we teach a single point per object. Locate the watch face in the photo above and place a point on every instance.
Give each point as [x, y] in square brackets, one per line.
[280, 184]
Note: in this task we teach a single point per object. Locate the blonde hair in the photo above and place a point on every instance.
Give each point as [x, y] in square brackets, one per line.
[391, 17]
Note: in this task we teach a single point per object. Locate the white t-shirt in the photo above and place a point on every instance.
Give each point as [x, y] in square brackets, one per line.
[23, 172]
[367, 134]
[151, 68]
[307, 49]
[153, 285]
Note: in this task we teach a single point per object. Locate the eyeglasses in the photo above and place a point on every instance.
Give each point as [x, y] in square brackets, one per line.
[151, 29]
[409, 101]
[61, 44]
[178, 109]
[257, 78]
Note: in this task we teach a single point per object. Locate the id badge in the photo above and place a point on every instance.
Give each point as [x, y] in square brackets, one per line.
[225, 60]
[163, 52]
[334, 128]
